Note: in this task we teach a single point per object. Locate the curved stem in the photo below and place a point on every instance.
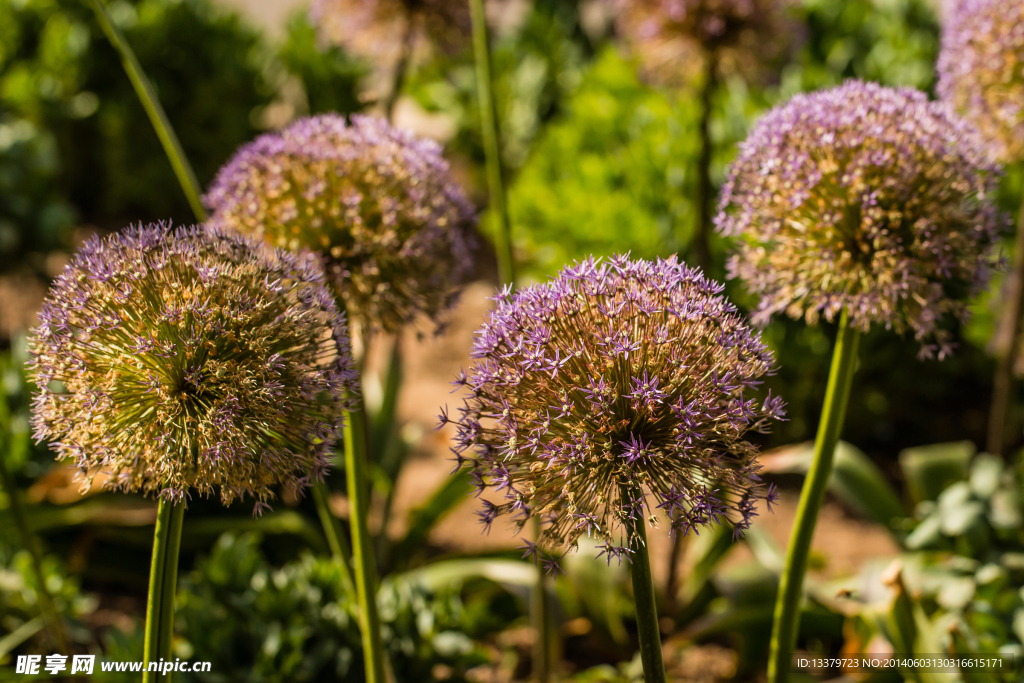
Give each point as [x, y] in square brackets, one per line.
[672, 584]
[166, 541]
[705, 193]
[336, 540]
[147, 96]
[539, 615]
[1003, 381]
[648, 630]
[492, 151]
[362, 548]
[787, 604]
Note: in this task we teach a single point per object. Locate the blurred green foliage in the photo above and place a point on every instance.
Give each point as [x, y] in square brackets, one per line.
[20, 620]
[967, 567]
[76, 145]
[296, 623]
[613, 173]
[330, 78]
[894, 42]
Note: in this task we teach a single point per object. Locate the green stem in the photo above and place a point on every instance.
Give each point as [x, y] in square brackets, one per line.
[787, 605]
[705, 193]
[147, 96]
[401, 69]
[647, 627]
[166, 541]
[539, 615]
[492, 151]
[170, 585]
[28, 539]
[1003, 381]
[362, 548]
[340, 550]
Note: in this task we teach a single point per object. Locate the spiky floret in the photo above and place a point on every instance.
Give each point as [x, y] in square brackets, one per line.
[614, 387]
[864, 198]
[981, 70]
[376, 203]
[674, 38]
[191, 358]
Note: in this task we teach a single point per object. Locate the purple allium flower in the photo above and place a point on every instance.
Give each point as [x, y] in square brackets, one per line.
[981, 70]
[191, 358]
[614, 384]
[376, 203]
[673, 38]
[867, 198]
[375, 29]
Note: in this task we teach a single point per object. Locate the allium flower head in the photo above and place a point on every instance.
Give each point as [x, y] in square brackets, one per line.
[981, 70]
[190, 358]
[612, 389]
[866, 198]
[375, 29]
[378, 204]
[673, 38]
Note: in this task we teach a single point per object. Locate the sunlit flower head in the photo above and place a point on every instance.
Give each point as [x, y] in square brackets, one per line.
[191, 358]
[377, 204]
[863, 198]
[981, 70]
[614, 389]
[674, 38]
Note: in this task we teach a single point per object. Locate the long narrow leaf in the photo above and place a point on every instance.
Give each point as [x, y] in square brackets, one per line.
[424, 518]
[855, 480]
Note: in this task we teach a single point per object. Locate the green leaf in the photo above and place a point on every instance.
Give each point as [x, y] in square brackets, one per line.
[440, 575]
[855, 480]
[986, 471]
[422, 519]
[705, 553]
[930, 469]
[960, 646]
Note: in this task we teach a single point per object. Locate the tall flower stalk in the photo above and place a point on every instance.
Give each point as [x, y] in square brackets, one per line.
[492, 143]
[612, 391]
[181, 361]
[680, 43]
[378, 209]
[154, 110]
[869, 205]
[981, 74]
[390, 33]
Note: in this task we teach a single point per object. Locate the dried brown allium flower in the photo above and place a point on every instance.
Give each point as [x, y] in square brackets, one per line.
[383, 30]
[377, 204]
[191, 358]
[675, 38]
[864, 198]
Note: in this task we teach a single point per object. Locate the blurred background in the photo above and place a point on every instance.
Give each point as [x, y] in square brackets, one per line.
[603, 155]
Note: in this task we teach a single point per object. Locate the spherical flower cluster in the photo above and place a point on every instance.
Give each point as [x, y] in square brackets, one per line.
[673, 38]
[191, 358]
[981, 70]
[863, 198]
[375, 29]
[612, 389]
[377, 204]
